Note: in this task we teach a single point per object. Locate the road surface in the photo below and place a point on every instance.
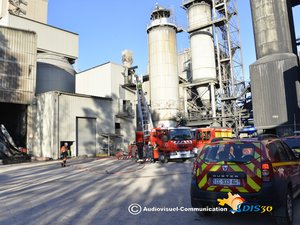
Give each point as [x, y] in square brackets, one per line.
[101, 191]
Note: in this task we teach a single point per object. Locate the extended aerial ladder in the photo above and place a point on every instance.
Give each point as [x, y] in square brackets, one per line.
[144, 120]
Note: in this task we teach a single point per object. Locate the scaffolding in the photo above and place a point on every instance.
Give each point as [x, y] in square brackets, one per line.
[229, 62]
[231, 91]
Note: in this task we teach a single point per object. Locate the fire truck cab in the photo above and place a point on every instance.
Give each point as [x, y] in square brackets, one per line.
[208, 134]
[172, 143]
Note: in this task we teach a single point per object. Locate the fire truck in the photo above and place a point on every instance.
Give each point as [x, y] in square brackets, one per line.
[172, 143]
[210, 134]
[166, 142]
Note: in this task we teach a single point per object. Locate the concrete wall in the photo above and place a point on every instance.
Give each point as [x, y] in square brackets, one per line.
[95, 81]
[106, 80]
[42, 126]
[52, 119]
[72, 107]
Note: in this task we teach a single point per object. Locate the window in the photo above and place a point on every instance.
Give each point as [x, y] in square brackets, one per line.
[199, 136]
[278, 152]
[180, 134]
[236, 152]
[206, 135]
[117, 126]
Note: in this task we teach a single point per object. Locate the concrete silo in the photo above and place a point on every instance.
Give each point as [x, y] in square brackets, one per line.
[54, 72]
[164, 81]
[275, 73]
[203, 60]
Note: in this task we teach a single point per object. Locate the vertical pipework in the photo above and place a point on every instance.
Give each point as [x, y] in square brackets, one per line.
[199, 14]
[164, 81]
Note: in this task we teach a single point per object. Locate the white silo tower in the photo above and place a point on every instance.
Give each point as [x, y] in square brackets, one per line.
[163, 72]
[199, 14]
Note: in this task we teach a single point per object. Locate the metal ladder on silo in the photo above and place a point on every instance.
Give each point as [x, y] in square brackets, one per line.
[144, 113]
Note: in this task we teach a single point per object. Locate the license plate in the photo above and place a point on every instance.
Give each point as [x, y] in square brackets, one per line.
[229, 182]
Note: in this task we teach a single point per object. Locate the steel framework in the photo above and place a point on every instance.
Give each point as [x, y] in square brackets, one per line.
[231, 90]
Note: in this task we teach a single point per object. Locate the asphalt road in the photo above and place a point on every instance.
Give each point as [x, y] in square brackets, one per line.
[92, 192]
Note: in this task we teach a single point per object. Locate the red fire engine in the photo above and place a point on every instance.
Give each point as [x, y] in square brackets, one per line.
[172, 143]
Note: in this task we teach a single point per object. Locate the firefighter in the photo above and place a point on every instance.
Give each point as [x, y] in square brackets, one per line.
[150, 152]
[64, 152]
[140, 148]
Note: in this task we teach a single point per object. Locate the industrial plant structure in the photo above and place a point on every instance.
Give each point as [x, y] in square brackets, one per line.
[42, 105]
[204, 85]
[45, 102]
[275, 75]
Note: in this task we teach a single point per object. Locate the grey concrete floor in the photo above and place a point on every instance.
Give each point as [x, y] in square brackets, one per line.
[92, 191]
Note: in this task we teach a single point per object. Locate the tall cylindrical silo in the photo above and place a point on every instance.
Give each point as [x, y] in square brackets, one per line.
[275, 74]
[272, 25]
[54, 73]
[164, 81]
[202, 46]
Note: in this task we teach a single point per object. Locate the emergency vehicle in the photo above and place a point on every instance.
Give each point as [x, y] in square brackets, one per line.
[171, 143]
[206, 135]
[263, 172]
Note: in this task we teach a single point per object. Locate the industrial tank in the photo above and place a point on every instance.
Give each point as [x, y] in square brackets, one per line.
[163, 72]
[273, 27]
[275, 74]
[202, 46]
[54, 72]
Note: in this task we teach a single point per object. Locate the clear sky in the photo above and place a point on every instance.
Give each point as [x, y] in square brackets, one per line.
[106, 28]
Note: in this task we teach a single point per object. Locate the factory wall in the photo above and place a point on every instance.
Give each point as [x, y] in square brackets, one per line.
[106, 80]
[53, 119]
[95, 81]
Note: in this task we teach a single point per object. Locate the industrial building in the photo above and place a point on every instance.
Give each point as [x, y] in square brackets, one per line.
[202, 84]
[44, 102]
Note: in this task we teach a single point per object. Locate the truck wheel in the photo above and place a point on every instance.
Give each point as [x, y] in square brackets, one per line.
[284, 215]
[163, 158]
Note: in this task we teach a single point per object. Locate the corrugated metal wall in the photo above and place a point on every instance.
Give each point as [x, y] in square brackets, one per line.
[274, 93]
[17, 65]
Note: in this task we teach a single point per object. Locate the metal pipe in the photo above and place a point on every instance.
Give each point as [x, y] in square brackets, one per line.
[213, 99]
